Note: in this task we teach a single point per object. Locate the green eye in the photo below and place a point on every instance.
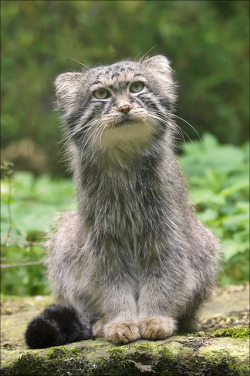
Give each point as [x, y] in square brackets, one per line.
[101, 94]
[137, 86]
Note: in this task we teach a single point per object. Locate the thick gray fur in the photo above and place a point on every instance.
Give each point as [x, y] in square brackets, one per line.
[134, 253]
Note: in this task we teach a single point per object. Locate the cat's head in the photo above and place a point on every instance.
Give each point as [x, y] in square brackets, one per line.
[118, 105]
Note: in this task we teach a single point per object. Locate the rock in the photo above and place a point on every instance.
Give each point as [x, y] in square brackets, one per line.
[219, 347]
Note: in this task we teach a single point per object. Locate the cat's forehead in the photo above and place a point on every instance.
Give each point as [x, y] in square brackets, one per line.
[118, 72]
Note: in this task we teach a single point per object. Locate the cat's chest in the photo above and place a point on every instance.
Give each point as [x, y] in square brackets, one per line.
[127, 207]
[121, 207]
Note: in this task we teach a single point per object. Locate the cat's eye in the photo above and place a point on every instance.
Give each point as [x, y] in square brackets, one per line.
[101, 93]
[137, 86]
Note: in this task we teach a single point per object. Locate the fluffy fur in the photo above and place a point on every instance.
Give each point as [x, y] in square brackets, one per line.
[133, 260]
[56, 325]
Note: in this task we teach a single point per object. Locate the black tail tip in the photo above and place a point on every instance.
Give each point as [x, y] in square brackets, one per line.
[41, 333]
[57, 325]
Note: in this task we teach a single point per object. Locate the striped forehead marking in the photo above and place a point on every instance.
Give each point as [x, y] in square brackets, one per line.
[116, 77]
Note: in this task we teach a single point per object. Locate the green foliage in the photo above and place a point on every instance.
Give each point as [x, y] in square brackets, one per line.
[34, 202]
[7, 170]
[218, 179]
[23, 280]
[207, 42]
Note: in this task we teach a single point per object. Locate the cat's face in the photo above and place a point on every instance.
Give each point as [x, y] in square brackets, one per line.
[121, 105]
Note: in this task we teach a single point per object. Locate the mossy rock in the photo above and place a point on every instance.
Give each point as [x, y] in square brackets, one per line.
[208, 352]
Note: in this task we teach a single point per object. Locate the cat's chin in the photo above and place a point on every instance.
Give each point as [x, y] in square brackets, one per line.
[129, 137]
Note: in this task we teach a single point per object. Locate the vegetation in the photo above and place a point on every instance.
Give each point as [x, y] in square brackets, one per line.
[218, 179]
[235, 332]
[33, 204]
[219, 184]
[207, 42]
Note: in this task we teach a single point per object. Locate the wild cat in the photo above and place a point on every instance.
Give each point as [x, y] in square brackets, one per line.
[133, 261]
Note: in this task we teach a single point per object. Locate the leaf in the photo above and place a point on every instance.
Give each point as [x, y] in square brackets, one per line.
[206, 198]
[231, 247]
[244, 184]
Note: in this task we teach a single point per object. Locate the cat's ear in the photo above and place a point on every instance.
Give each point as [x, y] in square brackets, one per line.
[159, 67]
[67, 87]
[159, 64]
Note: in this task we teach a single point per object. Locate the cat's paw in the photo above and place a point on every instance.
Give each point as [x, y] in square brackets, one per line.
[121, 332]
[98, 328]
[156, 327]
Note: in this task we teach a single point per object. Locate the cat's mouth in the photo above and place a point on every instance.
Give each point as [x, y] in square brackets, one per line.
[126, 120]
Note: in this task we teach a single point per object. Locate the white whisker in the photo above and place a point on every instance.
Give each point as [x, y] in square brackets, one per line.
[187, 123]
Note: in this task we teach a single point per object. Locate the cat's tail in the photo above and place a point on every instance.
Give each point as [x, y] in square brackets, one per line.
[55, 326]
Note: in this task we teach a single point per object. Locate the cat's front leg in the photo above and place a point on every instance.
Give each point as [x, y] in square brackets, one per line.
[120, 324]
[156, 327]
[116, 332]
[121, 331]
[156, 317]
[115, 287]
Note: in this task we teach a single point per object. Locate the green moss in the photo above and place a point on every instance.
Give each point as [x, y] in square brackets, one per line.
[118, 356]
[226, 354]
[75, 351]
[119, 351]
[57, 352]
[172, 357]
[235, 332]
[32, 364]
[175, 356]
[146, 346]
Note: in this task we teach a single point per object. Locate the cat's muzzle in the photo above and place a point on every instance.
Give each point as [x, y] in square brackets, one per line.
[126, 119]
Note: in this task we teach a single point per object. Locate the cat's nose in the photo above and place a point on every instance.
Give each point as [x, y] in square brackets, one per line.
[125, 108]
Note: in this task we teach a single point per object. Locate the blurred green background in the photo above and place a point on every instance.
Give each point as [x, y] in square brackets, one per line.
[207, 43]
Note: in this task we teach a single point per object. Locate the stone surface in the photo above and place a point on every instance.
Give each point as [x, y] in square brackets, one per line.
[219, 347]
